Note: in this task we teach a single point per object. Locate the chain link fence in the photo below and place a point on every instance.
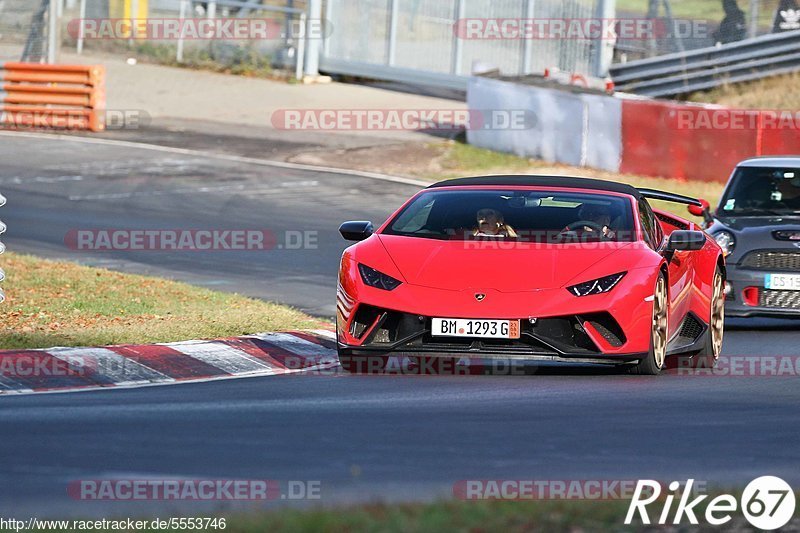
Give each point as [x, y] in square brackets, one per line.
[421, 34]
[403, 35]
[236, 54]
[23, 30]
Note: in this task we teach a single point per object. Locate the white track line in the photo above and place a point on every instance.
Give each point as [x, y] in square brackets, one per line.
[222, 356]
[328, 334]
[119, 369]
[224, 157]
[237, 363]
[9, 386]
[294, 344]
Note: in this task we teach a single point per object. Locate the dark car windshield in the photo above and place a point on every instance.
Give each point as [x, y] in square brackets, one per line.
[530, 216]
[758, 191]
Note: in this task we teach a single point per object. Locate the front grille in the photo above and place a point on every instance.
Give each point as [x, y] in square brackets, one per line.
[780, 299]
[547, 335]
[402, 332]
[780, 261]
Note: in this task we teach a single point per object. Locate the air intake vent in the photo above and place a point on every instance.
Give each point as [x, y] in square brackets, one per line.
[691, 328]
[606, 326]
[780, 299]
[672, 221]
[781, 261]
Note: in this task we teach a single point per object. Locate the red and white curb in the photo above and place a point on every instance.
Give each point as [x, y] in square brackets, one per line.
[69, 369]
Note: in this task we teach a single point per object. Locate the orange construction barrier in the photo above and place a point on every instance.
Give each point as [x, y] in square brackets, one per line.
[52, 96]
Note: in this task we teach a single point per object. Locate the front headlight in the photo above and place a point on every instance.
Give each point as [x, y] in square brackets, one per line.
[377, 279]
[726, 241]
[596, 286]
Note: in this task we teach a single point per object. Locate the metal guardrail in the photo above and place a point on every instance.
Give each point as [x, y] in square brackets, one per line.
[706, 68]
[396, 74]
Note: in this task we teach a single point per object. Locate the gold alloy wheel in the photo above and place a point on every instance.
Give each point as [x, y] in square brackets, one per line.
[659, 332]
[717, 315]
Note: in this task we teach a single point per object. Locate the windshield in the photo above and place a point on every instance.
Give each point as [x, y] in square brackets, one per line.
[762, 191]
[530, 216]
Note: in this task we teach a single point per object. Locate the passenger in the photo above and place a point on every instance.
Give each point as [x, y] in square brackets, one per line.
[491, 223]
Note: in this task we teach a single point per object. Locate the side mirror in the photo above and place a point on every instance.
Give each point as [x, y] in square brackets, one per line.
[686, 240]
[356, 230]
[703, 210]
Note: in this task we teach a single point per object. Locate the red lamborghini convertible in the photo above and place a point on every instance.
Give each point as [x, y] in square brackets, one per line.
[532, 268]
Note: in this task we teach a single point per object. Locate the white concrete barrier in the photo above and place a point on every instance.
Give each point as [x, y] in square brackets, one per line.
[572, 128]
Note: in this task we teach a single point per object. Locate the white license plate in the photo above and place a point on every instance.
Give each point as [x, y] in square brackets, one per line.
[487, 329]
[785, 282]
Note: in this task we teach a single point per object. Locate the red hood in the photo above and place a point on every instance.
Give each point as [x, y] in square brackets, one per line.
[510, 267]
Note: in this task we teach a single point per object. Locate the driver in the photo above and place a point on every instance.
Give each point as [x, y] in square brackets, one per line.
[599, 217]
[789, 190]
[491, 223]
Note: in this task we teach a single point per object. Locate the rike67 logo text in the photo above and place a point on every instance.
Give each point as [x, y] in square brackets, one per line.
[767, 502]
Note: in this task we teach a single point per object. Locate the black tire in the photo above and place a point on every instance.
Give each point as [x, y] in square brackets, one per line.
[656, 358]
[708, 356]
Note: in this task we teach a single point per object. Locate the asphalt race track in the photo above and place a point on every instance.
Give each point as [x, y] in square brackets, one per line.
[362, 437]
[56, 186]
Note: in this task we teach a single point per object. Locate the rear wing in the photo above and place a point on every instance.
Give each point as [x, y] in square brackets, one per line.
[670, 197]
[699, 208]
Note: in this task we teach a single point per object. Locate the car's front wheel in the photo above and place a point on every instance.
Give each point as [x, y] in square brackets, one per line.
[716, 323]
[656, 358]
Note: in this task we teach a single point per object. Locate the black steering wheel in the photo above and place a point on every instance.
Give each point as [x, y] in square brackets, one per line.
[580, 224]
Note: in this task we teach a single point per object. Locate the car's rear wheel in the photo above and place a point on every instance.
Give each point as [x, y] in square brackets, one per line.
[656, 358]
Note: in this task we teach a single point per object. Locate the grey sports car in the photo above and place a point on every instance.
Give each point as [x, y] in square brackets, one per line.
[757, 224]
